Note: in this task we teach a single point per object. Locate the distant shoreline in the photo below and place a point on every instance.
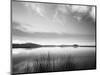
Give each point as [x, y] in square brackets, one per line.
[31, 45]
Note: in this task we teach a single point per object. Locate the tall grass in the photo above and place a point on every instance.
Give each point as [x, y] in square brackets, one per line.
[47, 63]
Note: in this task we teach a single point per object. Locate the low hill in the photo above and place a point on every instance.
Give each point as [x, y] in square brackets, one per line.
[25, 45]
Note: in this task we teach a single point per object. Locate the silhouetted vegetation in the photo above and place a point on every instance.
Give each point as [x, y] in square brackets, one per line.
[32, 45]
[26, 45]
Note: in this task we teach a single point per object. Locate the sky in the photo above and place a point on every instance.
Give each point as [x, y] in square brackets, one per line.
[50, 23]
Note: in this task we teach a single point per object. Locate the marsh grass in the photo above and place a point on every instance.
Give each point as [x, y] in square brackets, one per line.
[50, 63]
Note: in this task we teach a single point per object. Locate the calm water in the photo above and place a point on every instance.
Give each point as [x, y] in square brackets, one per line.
[54, 50]
[80, 58]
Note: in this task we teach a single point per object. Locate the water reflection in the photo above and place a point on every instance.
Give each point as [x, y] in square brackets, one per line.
[54, 50]
[51, 59]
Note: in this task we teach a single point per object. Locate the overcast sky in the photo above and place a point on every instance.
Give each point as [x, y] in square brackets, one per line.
[42, 22]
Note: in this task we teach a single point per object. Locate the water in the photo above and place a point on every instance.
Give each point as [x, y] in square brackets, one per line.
[82, 58]
[54, 50]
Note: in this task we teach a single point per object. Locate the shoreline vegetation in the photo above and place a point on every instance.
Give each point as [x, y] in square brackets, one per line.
[32, 45]
[43, 63]
[52, 63]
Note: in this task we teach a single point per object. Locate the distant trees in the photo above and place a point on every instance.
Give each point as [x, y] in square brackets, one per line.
[32, 45]
[75, 45]
[26, 45]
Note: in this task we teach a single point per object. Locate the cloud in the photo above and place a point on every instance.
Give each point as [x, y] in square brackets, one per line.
[79, 12]
[92, 13]
[62, 8]
[43, 28]
[20, 26]
[38, 8]
[35, 7]
[50, 11]
[80, 9]
[40, 17]
[44, 10]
